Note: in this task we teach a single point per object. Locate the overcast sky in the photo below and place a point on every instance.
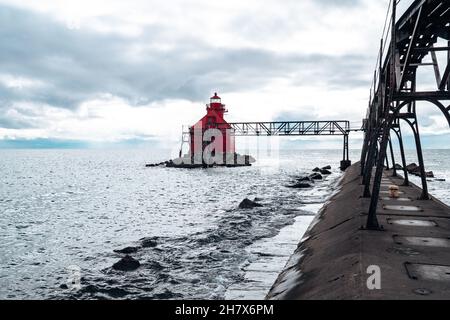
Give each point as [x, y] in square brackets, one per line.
[109, 71]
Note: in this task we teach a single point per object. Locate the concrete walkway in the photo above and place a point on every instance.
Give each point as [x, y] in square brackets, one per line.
[412, 253]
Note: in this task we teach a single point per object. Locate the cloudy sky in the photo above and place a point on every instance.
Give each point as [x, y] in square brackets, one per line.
[103, 71]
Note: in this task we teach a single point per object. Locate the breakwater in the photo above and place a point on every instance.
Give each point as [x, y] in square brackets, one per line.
[340, 259]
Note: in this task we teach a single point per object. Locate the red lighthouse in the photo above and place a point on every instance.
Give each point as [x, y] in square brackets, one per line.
[212, 134]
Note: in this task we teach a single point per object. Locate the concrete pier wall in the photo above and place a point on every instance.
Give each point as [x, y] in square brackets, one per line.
[338, 259]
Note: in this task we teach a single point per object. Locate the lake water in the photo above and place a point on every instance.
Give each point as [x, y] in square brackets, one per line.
[64, 212]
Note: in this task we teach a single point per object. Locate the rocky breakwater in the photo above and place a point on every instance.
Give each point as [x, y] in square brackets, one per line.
[415, 170]
[225, 160]
[305, 182]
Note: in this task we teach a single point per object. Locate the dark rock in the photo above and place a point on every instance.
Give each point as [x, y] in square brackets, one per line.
[441, 180]
[248, 204]
[116, 292]
[257, 199]
[398, 167]
[90, 289]
[150, 165]
[127, 250]
[149, 242]
[64, 286]
[304, 179]
[316, 169]
[127, 263]
[327, 167]
[301, 185]
[416, 171]
[412, 167]
[325, 171]
[316, 176]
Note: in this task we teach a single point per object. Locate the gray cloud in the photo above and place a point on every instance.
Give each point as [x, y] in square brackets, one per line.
[339, 3]
[77, 65]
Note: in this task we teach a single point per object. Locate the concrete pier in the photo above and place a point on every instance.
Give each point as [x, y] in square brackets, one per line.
[339, 259]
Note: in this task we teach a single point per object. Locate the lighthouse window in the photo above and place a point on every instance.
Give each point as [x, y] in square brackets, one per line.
[210, 120]
[215, 100]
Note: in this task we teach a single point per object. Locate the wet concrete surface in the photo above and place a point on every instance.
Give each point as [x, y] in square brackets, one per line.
[336, 260]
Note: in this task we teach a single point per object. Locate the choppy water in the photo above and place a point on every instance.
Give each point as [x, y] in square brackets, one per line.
[63, 209]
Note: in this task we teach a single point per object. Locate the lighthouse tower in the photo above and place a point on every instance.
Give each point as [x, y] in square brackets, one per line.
[212, 133]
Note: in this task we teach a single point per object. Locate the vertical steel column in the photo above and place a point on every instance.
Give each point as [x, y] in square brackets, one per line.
[387, 161]
[372, 221]
[394, 169]
[424, 195]
[402, 155]
[448, 59]
[346, 156]
[369, 164]
[364, 152]
[343, 149]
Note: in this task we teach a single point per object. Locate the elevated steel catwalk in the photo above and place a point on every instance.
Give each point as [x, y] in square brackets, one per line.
[411, 42]
[299, 128]
[292, 128]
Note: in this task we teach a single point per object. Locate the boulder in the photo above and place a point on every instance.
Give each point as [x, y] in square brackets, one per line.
[325, 171]
[127, 263]
[304, 179]
[169, 164]
[316, 176]
[416, 171]
[429, 174]
[412, 167]
[248, 204]
[149, 242]
[398, 167]
[301, 185]
[316, 169]
[127, 250]
[327, 167]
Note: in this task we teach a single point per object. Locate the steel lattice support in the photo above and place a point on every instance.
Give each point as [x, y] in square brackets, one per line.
[412, 40]
[293, 128]
[299, 128]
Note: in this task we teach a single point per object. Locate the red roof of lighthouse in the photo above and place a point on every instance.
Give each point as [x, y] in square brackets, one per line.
[215, 96]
